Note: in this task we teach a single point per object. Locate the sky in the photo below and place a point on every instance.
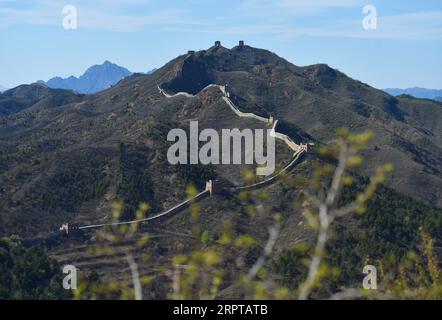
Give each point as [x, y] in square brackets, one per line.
[404, 49]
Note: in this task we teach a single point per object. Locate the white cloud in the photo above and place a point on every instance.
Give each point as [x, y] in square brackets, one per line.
[282, 18]
[293, 7]
[315, 4]
[105, 15]
[422, 25]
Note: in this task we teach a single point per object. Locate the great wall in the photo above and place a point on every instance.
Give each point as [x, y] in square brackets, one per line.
[299, 151]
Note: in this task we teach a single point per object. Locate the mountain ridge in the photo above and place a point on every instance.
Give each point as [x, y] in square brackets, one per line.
[417, 92]
[95, 78]
[91, 149]
[26, 96]
[318, 100]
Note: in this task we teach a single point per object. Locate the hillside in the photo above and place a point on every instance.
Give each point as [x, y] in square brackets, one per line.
[26, 96]
[318, 100]
[67, 157]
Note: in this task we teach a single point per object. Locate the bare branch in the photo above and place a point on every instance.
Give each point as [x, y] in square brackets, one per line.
[176, 279]
[308, 284]
[339, 172]
[135, 277]
[274, 232]
[346, 210]
[325, 220]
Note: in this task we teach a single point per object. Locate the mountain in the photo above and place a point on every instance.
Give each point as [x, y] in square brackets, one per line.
[3, 88]
[67, 157]
[312, 101]
[417, 93]
[96, 78]
[26, 96]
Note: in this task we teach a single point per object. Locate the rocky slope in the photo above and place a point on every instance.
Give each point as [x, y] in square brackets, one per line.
[66, 156]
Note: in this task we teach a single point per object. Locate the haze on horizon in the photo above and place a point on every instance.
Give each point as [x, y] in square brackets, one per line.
[404, 50]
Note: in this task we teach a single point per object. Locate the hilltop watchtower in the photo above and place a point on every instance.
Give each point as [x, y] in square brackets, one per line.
[241, 43]
[304, 147]
[209, 186]
[65, 227]
[217, 44]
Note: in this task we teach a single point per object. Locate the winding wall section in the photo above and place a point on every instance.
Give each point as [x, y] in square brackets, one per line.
[299, 152]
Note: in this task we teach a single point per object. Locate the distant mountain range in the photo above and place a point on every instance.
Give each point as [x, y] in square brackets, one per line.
[417, 93]
[95, 79]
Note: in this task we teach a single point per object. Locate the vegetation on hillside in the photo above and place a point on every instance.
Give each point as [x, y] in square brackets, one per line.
[27, 273]
[363, 224]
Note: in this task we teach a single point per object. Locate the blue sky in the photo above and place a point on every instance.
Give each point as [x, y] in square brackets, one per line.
[404, 51]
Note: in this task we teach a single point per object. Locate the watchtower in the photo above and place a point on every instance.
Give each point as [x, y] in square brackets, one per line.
[217, 44]
[241, 43]
[65, 227]
[304, 147]
[209, 186]
[190, 52]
